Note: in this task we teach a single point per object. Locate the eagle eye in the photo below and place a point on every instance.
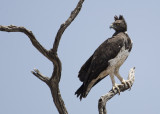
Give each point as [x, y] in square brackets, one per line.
[118, 24]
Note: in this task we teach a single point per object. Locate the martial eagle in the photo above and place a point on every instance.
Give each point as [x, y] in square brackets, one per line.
[107, 59]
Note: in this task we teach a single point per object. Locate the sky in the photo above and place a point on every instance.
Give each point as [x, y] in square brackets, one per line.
[22, 93]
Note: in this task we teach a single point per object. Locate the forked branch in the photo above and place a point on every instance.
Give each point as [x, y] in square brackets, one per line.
[103, 99]
[53, 81]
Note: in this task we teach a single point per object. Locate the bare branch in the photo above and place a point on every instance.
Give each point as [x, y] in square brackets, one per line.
[37, 73]
[36, 44]
[63, 26]
[52, 82]
[56, 75]
[103, 99]
[57, 99]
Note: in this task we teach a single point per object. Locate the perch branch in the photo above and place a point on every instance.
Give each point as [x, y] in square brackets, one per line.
[103, 99]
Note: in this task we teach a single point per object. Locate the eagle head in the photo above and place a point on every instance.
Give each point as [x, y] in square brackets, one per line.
[119, 25]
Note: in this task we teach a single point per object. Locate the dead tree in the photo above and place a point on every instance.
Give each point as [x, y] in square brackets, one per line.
[53, 81]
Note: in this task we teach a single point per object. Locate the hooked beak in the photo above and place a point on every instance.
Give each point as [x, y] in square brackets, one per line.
[111, 26]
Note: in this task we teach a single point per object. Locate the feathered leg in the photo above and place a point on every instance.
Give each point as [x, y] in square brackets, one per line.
[125, 82]
[114, 85]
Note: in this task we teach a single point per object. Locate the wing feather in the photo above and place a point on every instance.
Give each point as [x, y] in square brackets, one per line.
[99, 60]
[84, 69]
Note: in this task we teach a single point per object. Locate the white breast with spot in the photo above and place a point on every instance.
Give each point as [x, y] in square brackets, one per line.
[120, 58]
[113, 64]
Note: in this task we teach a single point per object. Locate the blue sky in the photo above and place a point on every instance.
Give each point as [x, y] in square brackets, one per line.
[23, 93]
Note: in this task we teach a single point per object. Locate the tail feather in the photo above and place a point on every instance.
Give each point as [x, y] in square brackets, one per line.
[81, 92]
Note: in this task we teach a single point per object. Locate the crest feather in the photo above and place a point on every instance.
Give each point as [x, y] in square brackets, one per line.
[121, 17]
[115, 17]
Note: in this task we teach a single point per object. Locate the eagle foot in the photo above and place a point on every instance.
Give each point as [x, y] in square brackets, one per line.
[127, 82]
[115, 87]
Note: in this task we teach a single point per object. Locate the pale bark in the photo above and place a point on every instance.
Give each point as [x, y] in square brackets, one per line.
[103, 99]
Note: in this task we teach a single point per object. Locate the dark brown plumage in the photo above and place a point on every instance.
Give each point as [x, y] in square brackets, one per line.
[107, 59]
